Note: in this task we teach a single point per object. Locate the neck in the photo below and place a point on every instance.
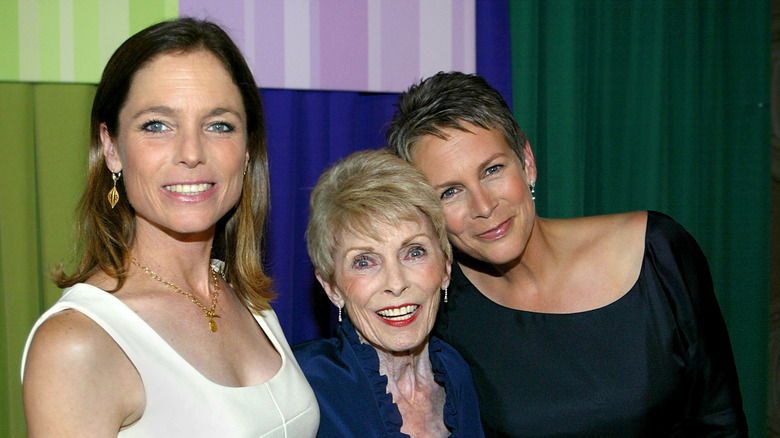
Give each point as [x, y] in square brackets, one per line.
[184, 262]
[536, 255]
[407, 371]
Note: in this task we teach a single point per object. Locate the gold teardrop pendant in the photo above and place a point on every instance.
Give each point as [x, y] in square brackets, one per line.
[212, 324]
[113, 197]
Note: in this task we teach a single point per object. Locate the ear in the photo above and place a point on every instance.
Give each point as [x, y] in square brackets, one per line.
[110, 151]
[246, 161]
[332, 291]
[529, 164]
[445, 281]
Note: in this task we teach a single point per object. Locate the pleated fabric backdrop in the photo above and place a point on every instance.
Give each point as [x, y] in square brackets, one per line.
[628, 105]
[44, 133]
[664, 105]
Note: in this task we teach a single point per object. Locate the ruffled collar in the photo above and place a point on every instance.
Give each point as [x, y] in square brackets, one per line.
[439, 366]
[388, 410]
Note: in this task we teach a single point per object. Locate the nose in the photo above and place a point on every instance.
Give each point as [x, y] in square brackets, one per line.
[191, 150]
[395, 278]
[482, 203]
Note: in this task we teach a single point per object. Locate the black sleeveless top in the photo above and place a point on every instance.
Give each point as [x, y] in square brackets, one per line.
[655, 363]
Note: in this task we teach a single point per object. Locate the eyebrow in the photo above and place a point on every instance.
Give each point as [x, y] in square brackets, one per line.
[221, 110]
[482, 165]
[169, 111]
[158, 109]
[415, 237]
[351, 249]
[406, 241]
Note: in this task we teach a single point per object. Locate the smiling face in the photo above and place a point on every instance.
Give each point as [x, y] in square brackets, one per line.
[484, 191]
[390, 287]
[181, 144]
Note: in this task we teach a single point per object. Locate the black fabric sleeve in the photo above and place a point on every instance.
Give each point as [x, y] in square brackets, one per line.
[714, 406]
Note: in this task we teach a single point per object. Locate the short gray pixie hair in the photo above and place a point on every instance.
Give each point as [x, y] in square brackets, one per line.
[361, 191]
[447, 100]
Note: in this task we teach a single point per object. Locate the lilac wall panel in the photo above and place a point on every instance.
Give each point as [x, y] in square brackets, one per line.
[357, 45]
[343, 46]
[400, 44]
[269, 44]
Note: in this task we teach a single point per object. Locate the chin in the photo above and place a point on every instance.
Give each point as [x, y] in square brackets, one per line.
[404, 345]
[190, 229]
[501, 261]
[502, 254]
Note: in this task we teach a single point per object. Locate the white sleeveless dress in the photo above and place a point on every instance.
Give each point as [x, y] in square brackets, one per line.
[181, 402]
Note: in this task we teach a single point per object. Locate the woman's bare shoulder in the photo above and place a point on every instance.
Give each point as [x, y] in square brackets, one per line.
[616, 223]
[611, 229]
[71, 342]
[620, 246]
[608, 251]
[611, 235]
[75, 374]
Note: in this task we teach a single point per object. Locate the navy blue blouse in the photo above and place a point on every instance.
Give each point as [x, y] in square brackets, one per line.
[352, 395]
[655, 363]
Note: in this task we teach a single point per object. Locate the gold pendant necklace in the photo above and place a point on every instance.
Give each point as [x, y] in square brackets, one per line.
[210, 313]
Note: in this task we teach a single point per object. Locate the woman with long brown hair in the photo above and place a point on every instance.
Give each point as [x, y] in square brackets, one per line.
[165, 327]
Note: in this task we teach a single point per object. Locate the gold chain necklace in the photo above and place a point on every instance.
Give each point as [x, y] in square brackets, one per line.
[210, 313]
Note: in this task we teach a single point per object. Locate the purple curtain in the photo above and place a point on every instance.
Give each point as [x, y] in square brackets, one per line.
[307, 132]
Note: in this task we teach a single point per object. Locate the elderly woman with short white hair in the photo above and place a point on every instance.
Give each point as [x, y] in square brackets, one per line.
[378, 242]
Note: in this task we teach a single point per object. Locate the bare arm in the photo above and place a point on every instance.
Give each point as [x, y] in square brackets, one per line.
[78, 382]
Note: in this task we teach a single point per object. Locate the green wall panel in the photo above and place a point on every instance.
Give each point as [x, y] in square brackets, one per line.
[20, 293]
[44, 135]
[9, 40]
[62, 145]
[49, 47]
[70, 40]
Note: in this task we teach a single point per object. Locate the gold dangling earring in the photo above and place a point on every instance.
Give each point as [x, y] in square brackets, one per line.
[113, 195]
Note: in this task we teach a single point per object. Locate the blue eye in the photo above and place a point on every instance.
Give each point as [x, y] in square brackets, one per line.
[448, 193]
[493, 169]
[417, 252]
[222, 127]
[362, 262]
[154, 126]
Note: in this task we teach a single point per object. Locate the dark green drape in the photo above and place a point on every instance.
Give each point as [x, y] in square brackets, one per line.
[663, 105]
[44, 133]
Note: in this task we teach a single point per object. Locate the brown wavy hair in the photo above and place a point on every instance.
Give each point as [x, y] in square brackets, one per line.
[105, 235]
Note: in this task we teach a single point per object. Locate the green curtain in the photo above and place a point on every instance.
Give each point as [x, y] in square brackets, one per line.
[663, 105]
[44, 134]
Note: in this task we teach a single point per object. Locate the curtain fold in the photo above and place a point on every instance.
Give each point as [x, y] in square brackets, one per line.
[494, 54]
[44, 133]
[635, 105]
[19, 278]
[307, 132]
